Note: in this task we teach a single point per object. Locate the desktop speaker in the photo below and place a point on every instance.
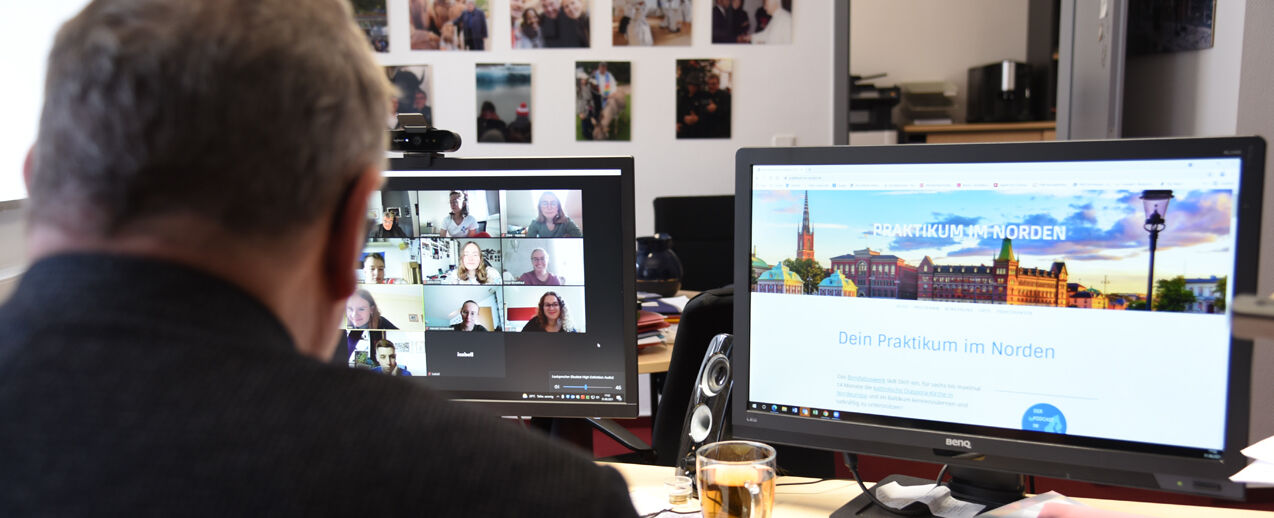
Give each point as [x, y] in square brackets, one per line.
[705, 415]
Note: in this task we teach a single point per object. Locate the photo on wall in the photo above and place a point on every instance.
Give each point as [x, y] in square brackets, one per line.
[504, 94]
[370, 16]
[450, 24]
[413, 84]
[704, 90]
[760, 22]
[603, 99]
[644, 23]
[537, 24]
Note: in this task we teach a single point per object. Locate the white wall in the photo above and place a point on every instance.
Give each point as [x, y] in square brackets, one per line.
[1191, 93]
[1224, 90]
[26, 34]
[12, 246]
[778, 90]
[934, 40]
[1256, 117]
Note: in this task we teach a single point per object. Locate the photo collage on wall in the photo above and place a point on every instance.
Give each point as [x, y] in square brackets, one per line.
[456, 261]
[604, 89]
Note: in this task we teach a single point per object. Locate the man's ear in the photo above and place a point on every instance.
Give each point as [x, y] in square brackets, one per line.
[28, 167]
[349, 234]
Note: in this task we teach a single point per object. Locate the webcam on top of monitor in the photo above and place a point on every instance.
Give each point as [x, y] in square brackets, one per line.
[415, 137]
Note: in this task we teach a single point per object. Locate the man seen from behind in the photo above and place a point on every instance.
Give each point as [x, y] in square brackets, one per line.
[164, 353]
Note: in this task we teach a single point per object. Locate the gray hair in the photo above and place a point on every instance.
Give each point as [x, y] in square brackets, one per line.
[234, 111]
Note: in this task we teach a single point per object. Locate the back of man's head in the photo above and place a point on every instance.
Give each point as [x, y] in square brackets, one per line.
[252, 115]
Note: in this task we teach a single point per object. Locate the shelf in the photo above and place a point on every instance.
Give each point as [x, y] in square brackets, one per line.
[980, 132]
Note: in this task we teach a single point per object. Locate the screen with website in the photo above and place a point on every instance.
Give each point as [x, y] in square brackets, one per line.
[1002, 295]
[495, 285]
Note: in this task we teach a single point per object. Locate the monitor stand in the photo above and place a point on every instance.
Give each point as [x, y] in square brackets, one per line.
[990, 488]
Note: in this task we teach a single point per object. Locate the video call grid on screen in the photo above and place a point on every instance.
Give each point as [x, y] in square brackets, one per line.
[932, 239]
[507, 265]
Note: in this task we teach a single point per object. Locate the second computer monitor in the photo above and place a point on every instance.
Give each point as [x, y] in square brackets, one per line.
[507, 283]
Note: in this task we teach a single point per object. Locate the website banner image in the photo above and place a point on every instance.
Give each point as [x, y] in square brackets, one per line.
[1017, 306]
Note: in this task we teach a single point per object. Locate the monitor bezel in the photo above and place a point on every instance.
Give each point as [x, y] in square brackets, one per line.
[1001, 453]
[627, 291]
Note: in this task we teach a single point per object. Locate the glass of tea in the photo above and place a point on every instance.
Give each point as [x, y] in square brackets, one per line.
[736, 479]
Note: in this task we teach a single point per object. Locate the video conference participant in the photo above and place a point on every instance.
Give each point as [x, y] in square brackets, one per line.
[551, 220]
[388, 227]
[374, 268]
[551, 316]
[458, 222]
[473, 268]
[539, 274]
[387, 359]
[361, 312]
[233, 344]
[469, 318]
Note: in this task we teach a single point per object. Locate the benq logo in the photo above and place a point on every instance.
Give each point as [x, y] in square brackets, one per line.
[963, 443]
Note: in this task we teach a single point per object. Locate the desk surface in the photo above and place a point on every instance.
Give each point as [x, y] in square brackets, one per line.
[656, 357]
[824, 497]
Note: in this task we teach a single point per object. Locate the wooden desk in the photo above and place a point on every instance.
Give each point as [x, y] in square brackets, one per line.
[655, 359]
[824, 497]
[980, 132]
[1252, 327]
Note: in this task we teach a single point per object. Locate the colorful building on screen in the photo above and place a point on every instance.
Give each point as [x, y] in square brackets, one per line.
[837, 285]
[780, 279]
[805, 235]
[1003, 282]
[876, 275]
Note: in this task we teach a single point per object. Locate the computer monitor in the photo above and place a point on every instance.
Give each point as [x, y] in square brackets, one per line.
[984, 305]
[506, 283]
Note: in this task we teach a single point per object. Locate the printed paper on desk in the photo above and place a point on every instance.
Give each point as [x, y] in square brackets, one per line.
[1029, 507]
[1256, 474]
[1263, 450]
[679, 302]
[938, 498]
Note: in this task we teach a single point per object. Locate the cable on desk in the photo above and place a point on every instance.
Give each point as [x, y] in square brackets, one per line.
[669, 510]
[851, 462]
[804, 483]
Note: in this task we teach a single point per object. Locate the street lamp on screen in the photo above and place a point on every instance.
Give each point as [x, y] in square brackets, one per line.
[1156, 205]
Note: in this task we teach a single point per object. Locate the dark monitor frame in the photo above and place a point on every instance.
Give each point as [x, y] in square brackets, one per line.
[1058, 456]
[625, 299]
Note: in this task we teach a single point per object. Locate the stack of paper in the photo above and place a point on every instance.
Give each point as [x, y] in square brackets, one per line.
[1260, 473]
[650, 327]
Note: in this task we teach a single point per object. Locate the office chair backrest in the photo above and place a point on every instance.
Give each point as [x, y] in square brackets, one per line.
[702, 230]
[705, 316]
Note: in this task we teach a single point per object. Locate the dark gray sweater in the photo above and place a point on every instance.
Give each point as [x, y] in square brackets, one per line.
[132, 387]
